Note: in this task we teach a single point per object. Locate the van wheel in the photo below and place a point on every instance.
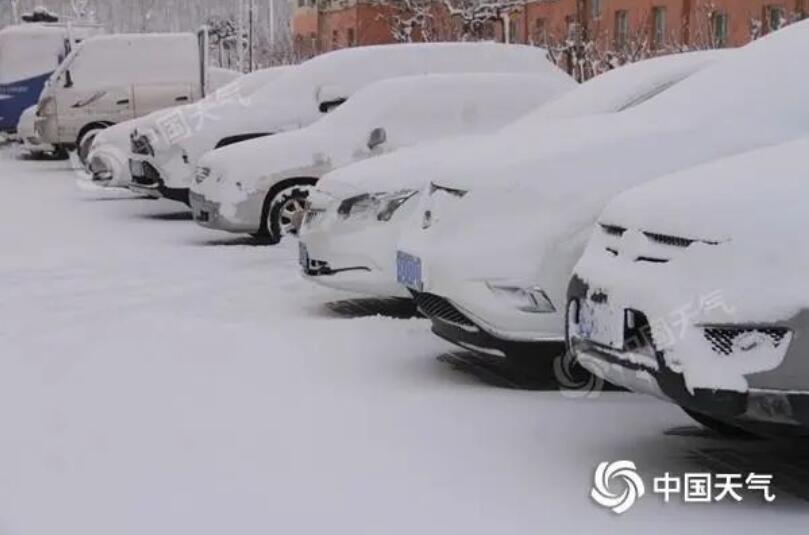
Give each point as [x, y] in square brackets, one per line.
[285, 214]
[722, 428]
[84, 143]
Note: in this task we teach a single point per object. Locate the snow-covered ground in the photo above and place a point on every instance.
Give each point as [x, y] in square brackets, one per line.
[156, 377]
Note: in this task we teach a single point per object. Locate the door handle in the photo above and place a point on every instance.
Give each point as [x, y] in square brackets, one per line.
[123, 102]
[181, 99]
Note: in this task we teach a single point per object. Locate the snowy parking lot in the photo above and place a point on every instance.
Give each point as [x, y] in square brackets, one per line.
[158, 378]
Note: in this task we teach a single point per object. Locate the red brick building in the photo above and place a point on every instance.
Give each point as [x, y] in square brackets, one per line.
[624, 26]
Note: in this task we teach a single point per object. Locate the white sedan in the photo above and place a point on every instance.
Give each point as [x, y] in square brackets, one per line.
[495, 246]
[356, 213]
[259, 187]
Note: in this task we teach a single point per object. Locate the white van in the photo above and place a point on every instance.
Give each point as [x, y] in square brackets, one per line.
[110, 79]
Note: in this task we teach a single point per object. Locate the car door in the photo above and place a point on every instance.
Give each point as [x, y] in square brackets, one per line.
[77, 107]
[153, 97]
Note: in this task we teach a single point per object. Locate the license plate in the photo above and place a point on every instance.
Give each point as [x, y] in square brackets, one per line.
[601, 324]
[303, 256]
[408, 271]
[136, 167]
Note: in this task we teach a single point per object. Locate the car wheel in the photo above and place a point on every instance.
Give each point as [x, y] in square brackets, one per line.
[723, 428]
[286, 210]
[61, 153]
[85, 143]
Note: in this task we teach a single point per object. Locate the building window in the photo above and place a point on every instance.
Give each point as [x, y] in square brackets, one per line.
[595, 9]
[774, 18]
[621, 28]
[659, 26]
[350, 37]
[719, 28]
[335, 38]
[540, 32]
[573, 33]
[512, 30]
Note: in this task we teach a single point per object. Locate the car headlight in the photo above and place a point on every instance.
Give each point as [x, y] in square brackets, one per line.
[384, 204]
[202, 174]
[392, 202]
[524, 298]
[357, 205]
[47, 106]
[141, 144]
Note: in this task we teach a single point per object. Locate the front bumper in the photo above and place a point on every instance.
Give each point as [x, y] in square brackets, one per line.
[147, 180]
[209, 214]
[644, 368]
[46, 129]
[457, 326]
[352, 256]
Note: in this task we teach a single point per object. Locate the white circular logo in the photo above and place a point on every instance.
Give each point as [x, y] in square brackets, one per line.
[574, 381]
[633, 488]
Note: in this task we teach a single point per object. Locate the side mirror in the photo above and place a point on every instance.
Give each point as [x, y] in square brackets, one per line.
[378, 137]
[329, 97]
[68, 79]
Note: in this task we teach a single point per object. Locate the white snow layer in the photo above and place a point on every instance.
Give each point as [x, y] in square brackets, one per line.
[156, 380]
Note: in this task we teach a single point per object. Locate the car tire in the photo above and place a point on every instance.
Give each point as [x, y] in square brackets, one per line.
[85, 142]
[61, 153]
[279, 213]
[718, 426]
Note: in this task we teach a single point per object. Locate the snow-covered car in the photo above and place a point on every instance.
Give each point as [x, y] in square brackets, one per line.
[693, 289]
[489, 252]
[356, 251]
[306, 94]
[108, 159]
[26, 133]
[260, 186]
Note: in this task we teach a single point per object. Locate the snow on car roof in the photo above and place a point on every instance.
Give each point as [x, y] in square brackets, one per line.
[724, 98]
[394, 95]
[761, 78]
[30, 50]
[621, 87]
[416, 58]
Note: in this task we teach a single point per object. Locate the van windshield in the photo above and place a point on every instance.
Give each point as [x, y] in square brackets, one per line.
[65, 65]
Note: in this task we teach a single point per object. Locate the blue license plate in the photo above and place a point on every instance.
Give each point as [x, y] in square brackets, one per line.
[408, 271]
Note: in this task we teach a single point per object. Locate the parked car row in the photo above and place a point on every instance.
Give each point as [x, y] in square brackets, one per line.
[647, 223]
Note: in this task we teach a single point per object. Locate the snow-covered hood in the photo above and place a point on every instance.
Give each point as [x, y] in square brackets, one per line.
[751, 196]
[408, 168]
[412, 110]
[201, 127]
[534, 227]
[741, 225]
[291, 154]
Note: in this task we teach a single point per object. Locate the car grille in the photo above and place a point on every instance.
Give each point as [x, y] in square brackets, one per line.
[613, 230]
[657, 249]
[672, 241]
[435, 307]
[721, 339]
